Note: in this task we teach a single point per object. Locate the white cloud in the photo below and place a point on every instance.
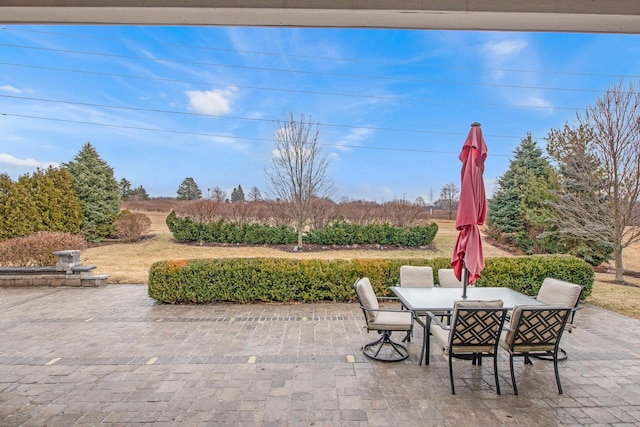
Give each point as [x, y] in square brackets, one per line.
[504, 48]
[12, 89]
[502, 53]
[537, 101]
[354, 138]
[217, 101]
[13, 162]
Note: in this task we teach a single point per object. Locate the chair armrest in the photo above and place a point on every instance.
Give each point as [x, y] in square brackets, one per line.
[383, 309]
[438, 321]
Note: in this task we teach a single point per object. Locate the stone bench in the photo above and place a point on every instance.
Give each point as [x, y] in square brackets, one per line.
[67, 272]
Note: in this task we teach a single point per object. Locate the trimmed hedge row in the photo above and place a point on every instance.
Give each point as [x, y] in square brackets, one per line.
[337, 233]
[188, 230]
[246, 280]
[342, 233]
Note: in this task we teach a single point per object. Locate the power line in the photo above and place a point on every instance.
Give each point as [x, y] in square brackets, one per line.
[180, 132]
[325, 58]
[218, 116]
[282, 70]
[311, 92]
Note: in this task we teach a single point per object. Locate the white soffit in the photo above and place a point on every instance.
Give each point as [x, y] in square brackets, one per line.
[594, 16]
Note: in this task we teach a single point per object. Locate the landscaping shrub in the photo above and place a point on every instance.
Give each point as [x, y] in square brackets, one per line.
[338, 233]
[129, 226]
[525, 274]
[286, 280]
[221, 231]
[343, 233]
[37, 249]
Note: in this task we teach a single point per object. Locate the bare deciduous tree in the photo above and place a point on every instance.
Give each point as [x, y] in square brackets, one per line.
[615, 120]
[449, 198]
[218, 194]
[299, 171]
[614, 126]
[254, 195]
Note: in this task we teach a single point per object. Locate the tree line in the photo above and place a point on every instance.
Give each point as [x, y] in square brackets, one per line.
[583, 198]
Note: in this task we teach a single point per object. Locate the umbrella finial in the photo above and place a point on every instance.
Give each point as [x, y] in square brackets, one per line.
[475, 124]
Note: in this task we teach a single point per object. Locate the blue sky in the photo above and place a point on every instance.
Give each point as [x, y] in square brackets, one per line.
[394, 106]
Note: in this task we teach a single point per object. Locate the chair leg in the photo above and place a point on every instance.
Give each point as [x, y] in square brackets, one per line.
[372, 349]
[513, 375]
[453, 388]
[555, 367]
[561, 356]
[495, 371]
[426, 343]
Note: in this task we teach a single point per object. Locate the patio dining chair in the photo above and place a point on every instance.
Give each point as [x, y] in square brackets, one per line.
[414, 276]
[447, 278]
[473, 334]
[535, 330]
[559, 292]
[384, 321]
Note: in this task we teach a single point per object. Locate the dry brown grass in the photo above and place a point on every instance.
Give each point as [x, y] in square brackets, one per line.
[130, 262]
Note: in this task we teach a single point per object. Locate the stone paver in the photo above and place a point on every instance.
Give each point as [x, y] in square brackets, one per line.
[111, 356]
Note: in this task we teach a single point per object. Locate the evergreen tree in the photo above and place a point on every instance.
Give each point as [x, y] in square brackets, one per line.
[237, 194]
[98, 191]
[17, 209]
[56, 200]
[139, 193]
[582, 207]
[125, 189]
[519, 211]
[188, 190]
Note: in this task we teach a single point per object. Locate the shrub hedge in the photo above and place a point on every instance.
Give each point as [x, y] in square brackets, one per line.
[343, 233]
[188, 230]
[246, 280]
[338, 233]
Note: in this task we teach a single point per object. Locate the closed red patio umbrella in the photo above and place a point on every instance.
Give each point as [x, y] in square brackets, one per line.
[467, 259]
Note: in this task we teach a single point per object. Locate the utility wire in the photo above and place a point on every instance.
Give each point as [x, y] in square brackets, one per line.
[281, 70]
[323, 58]
[311, 92]
[218, 116]
[180, 132]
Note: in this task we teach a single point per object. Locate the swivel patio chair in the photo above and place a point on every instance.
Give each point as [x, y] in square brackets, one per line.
[535, 330]
[384, 321]
[473, 334]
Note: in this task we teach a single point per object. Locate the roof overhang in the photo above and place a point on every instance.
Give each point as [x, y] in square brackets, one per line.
[593, 16]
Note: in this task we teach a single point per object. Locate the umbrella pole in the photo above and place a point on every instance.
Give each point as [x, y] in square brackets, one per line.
[465, 279]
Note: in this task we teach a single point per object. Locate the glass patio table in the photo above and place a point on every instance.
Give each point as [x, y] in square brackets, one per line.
[437, 299]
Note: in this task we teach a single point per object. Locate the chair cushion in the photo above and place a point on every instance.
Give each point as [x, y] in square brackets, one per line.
[475, 304]
[392, 321]
[472, 332]
[534, 328]
[412, 276]
[442, 335]
[447, 278]
[367, 298]
[559, 292]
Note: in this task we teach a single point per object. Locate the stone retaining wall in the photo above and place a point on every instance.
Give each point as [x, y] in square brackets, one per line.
[67, 272]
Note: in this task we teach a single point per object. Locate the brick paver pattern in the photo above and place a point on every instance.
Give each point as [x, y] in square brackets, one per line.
[112, 356]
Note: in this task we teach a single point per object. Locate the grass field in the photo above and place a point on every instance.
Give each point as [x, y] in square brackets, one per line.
[130, 262]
